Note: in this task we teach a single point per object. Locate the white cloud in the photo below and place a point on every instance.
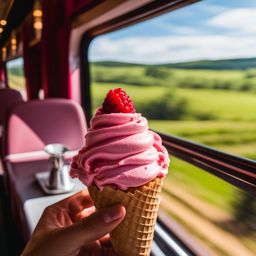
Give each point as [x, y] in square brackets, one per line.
[234, 37]
[173, 48]
[242, 20]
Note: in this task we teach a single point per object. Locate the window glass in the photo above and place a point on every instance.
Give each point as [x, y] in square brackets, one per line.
[192, 73]
[16, 78]
[220, 218]
[198, 72]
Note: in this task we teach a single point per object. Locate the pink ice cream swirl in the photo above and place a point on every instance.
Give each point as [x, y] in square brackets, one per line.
[120, 151]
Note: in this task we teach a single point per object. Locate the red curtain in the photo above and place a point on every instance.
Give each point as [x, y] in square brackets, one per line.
[3, 75]
[56, 74]
[46, 65]
[32, 62]
[55, 48]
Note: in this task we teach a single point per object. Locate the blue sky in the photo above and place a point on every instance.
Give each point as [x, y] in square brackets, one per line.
[210, 29]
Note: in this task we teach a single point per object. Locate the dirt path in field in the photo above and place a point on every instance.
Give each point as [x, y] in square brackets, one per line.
[202, 223]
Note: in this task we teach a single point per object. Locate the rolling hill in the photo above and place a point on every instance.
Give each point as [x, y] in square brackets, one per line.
[228, 64]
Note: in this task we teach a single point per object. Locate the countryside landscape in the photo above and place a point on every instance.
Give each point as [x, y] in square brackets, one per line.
[209, 102]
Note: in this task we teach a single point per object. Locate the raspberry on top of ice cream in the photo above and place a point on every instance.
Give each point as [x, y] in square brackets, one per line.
[120, 150]
[116, 101]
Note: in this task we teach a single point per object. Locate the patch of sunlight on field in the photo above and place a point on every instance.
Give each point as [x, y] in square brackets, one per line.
[121, 70]
[225, 105]
[231, 75]
[16, 82]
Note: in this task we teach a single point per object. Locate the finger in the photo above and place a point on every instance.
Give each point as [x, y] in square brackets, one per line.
[80, 201]
[84, 213]
[81, 198]
[105, 241]
[75, 203]
[93, 227]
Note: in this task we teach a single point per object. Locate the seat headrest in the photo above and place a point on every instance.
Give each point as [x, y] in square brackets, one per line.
[8, 98]
[32, 125]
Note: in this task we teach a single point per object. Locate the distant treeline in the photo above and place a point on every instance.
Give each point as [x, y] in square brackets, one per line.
[171, 77]
[229, 64]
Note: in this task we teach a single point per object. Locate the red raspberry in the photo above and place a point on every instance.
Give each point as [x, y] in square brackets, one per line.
[117, 101]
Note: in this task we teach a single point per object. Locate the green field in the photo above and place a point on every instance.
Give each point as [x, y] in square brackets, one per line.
[233, 130]
[219, 104]
[16, 82]
[237, 80]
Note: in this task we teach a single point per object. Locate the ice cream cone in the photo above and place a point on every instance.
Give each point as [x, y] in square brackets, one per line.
[135, 234]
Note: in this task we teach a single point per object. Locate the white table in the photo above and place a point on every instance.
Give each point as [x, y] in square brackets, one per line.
[33, 208]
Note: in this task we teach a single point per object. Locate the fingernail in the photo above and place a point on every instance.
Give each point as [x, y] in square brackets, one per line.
[113, 213]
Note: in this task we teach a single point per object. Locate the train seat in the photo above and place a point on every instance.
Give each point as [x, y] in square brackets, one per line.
[8, 98]
[28, 128]
[32, 125]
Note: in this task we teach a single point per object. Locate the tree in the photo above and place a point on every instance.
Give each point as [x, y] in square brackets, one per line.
[157, 72]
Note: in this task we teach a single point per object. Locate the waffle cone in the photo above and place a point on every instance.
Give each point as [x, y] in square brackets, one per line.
[135, 234]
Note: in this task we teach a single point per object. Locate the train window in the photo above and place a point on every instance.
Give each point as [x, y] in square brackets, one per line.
[220, 217]
[193, 76]
[197, 71]
[16, 78]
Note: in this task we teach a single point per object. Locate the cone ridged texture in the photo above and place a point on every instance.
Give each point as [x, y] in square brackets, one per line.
[135, 234]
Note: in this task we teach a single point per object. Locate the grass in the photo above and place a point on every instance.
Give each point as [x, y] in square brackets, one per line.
[230, 75]
[16, 82]
[137, 93]
[219, 104]
[241, 80]
[230, 136]
[223, 105]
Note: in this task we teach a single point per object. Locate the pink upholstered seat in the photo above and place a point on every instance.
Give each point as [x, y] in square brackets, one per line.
[32, 125]
[8, 98]
[28, 128]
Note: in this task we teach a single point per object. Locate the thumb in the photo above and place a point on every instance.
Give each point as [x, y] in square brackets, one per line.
[93, 227]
